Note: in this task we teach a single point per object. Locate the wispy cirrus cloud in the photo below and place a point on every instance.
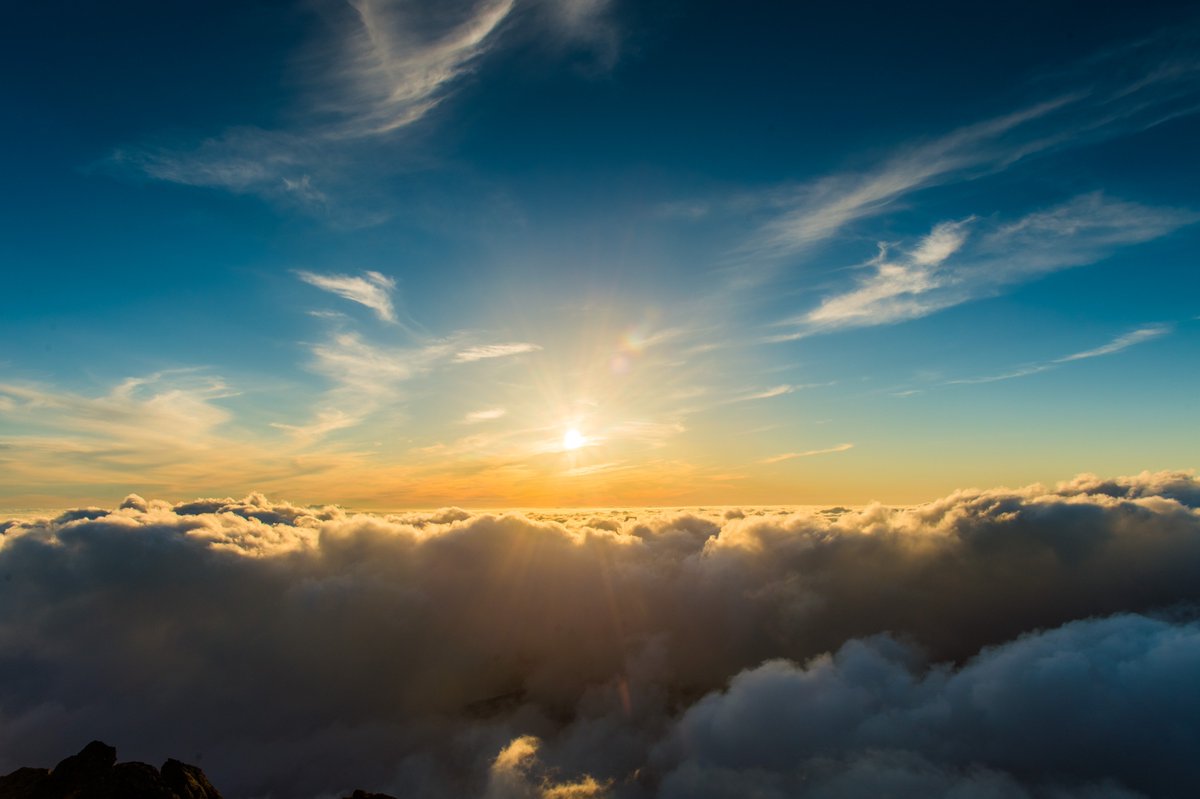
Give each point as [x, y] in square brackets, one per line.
[373, 289]
[486, 415]
[953, 264]
[821, 209]
[487, 351]
[787, 456]
[167, 429]
[399, 60]
[364, 378]
[1118, 344]
[382, 67]
[1098, 101]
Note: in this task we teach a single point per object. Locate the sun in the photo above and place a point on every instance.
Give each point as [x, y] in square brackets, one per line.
[573, 439]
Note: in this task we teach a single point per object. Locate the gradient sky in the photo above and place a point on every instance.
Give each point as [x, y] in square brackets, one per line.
[388, 254]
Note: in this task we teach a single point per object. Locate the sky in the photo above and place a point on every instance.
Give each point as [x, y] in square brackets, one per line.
[552, 253]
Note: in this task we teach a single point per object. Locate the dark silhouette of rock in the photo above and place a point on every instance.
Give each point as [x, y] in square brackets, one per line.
[360, 794]
[24, 783]
[132, 781]
[94, 773]
[188, 782]
[76, 776]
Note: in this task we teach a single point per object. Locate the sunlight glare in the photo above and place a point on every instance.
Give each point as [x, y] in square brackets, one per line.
[573, 439]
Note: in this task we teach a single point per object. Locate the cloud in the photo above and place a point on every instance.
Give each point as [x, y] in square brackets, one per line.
[821, 209]
[944, 269]
[787, 456]
[394, 62]
[381, 67]
[485, 351]
[1118, 344]
[365, 377]
[485, 415]
[173, 427]
[400, 58]
[517, 773]
[636, 653]
[1032, 717]
[374, 290]
[1100, 101]
[769, 393]
[583, 22]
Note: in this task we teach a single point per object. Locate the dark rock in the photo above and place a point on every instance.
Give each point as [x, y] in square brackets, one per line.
[78, 775]
[131, 781]
[94, 773]
[188, 782]
[24, 783]
[361, 794]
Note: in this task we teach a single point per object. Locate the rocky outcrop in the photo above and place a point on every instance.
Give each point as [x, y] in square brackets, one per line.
[188, 782]
[94, 773]
[23, 783]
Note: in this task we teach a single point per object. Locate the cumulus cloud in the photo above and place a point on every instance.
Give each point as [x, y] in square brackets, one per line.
[302, 651]
[1059, 713]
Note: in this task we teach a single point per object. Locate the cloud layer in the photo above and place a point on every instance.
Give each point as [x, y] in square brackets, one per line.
[633, 653]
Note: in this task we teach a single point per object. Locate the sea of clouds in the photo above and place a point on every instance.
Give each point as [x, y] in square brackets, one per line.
[1037, 642]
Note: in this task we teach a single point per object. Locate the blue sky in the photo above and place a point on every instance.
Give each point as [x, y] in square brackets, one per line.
[390, 254]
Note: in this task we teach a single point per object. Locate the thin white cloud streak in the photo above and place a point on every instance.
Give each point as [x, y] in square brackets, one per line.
[787, 456]
[953, 265]
[1112, 106]
[326, 422]
[167, 430]
[769, 393]
[487, 415]
[825, 207]
[1121, 343]
[487, 351]
[373, 290]
[365, 378]
[172, 408]
[393, 63]
[1118, 344]
[395, 70]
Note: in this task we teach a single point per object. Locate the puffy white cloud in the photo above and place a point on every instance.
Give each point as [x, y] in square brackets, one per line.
[1081, 710]
[303, 651]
